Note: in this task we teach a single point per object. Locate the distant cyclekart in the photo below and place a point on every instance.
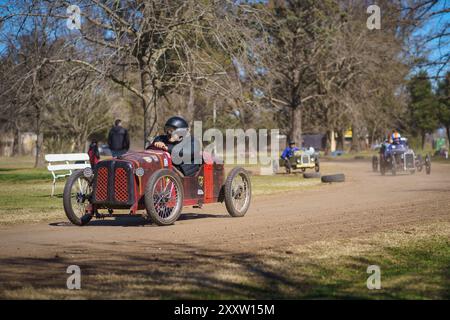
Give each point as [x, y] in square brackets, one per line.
[302, 160]
[397, 158]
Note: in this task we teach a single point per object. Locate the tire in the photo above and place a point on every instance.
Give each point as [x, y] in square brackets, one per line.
[311, 175]
[83, 187]
[317, 166]
[235, 192]
[382, 167]
[419, 163]
[428, 164]
[393, 166]
[156, 191]
[340, 177]
[374, 163]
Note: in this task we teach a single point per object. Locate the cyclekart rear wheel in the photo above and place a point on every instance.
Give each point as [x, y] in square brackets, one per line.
[317, 165]
[238, 192]
[374, 163]
[393, 165]
[382, 166]
[419, 163]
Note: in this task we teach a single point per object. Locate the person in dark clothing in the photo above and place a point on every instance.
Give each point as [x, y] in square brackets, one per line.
[118, 139]
[183, 147]
[94, 154]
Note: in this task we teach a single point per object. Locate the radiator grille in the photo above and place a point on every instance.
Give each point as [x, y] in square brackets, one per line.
[305, 159]
[121, 185]
[114, 183]
[102, 184]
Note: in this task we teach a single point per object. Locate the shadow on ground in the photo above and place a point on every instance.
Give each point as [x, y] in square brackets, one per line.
[168, 271]
[135, 221]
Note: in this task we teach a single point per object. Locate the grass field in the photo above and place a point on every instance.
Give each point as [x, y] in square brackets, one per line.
[414, 264]
[25, 192]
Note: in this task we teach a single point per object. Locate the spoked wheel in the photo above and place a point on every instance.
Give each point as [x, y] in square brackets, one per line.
[382, 166]
[317, 165]
[288, 168]
[238, 192]
[428, 164]
[164, 197]
[393, 165]
[76, 197]
[374, 163]
[419, 163]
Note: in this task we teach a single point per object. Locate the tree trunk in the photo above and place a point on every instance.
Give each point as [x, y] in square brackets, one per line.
[296, 125]
[296, 109]
[423, 139]
[447, 127]
[146, 100]
[39, 138]
[38, 158]
[190, 104]
[16, 143]
[80, 143]
[328, 142]
[356, 147]
[340, 140]
[332, 141]
[145, 109]
[372, 136]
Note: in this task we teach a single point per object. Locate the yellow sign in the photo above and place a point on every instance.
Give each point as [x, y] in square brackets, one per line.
[348, 134]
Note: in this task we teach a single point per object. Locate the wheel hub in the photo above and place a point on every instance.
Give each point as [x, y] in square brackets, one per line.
[238, 192]
[81, 198]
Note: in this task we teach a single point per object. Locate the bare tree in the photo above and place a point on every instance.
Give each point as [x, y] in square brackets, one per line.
[78, 107]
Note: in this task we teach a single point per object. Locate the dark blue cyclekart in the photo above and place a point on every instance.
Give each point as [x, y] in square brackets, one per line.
[400, 158]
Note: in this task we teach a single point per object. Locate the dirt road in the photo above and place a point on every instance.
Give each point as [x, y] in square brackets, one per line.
[364, 204]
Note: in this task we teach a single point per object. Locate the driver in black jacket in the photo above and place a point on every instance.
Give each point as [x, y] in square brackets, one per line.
[179, 143]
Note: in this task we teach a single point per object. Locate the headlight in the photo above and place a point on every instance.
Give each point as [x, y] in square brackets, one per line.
[87, 172]
[298, 161]
[139, 172]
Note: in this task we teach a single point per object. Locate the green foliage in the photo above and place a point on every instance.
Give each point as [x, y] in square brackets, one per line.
[443, 96]
[423, 106]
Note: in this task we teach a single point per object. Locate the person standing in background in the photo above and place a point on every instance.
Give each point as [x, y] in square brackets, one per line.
[118, 139]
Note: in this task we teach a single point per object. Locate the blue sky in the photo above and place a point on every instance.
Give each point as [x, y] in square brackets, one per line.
[438, 47]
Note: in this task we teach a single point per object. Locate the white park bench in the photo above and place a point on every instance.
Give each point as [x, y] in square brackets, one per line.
[61, 165]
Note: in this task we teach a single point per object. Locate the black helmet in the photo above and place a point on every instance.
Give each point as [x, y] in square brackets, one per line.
[291, 142]
[176, 123]
[176, 128]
